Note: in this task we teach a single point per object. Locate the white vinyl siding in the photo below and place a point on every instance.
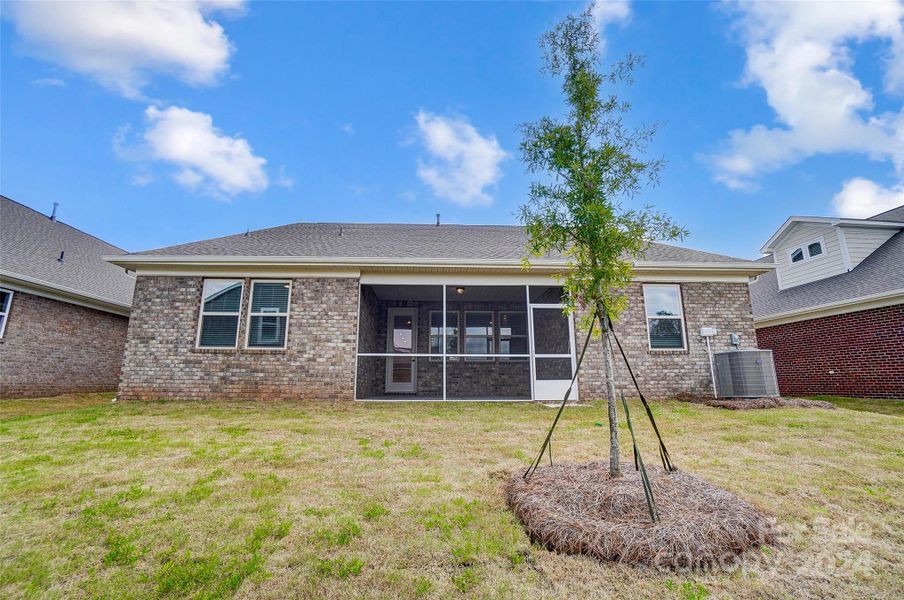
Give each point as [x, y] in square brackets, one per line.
[800, 235]
[863, 241]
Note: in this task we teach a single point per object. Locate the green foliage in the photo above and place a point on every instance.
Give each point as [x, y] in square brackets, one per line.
[466, 580]
[342, 534]
[121, 550]
[593, 162]
[422, 586]
[338, 567]
[374, 511]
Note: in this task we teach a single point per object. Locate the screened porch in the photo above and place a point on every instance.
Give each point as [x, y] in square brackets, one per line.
[463, 342]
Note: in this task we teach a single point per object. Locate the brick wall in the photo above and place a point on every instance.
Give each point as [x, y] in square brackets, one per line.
[161, 360]
[664, 373]
[319, 363]
[53, 347]
[857, 354]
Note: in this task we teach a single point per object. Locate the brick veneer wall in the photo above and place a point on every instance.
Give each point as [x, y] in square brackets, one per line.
[319, 363]
[52, 347]
[161, 360]
[664, 373]
[857, 354]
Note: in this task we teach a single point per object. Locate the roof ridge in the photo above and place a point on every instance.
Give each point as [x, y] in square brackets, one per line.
[55, 220]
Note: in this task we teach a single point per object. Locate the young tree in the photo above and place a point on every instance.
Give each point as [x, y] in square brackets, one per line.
[593, 162]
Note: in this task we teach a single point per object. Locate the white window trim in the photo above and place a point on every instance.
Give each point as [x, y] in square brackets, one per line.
[492, 336]
[5, 313]
[511, 355]
[680, 317]
[438, 356]
[806, 251]
[202, 314]
[268, 314]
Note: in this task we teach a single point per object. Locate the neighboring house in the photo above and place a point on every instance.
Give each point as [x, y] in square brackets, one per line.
[379, 311]
[63, 309]
[833, 310]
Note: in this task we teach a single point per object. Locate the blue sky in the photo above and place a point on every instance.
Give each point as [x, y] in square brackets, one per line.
[155, 124]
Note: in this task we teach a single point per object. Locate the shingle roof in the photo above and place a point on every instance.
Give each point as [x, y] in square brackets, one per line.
[878, 273]
[402, 241]
[30, 246]
[895, 214]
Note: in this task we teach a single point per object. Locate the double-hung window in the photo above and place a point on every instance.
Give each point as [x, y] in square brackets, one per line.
[268, 314]
[436, 333]
[6, 299]
[513, 333]
[221, 303]
[665, 318]
[478, 333]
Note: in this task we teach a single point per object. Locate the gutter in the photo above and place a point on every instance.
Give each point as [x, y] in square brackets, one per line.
[150, 262]
[879, 300]
[38, 287]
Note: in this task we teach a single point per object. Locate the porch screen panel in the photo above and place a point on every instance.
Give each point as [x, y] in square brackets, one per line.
[551, 333]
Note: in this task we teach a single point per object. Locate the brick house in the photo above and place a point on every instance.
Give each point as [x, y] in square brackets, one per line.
[832, 311]
[63, 309]
[432, 312]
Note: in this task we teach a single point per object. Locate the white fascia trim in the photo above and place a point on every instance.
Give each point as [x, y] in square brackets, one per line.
[153, 263]
[769, 246]
[879, 300]
[149, 262]
[37, 287]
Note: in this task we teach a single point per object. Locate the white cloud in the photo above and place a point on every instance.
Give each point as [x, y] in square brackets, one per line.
[800, 54]
[347, 128]
[609, 12]
[207, 158]
[860, 198]
[48, 82]
[119, 44]
[463, 164]
[142, 179]
[283, 180]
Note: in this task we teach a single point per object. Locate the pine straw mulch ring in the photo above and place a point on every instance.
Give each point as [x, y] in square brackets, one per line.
[755, 403]
[580, 509]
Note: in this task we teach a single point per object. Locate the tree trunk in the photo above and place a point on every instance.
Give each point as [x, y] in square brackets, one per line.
[614, 450]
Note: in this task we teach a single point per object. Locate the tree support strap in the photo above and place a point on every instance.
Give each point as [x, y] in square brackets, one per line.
[547, 443]
[663, 451]
[638, 464]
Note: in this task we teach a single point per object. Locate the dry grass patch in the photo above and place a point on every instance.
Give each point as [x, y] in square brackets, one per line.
[275, 500]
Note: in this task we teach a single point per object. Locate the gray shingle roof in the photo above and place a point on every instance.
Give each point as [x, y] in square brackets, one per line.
[388, 241]
[895, 214]
[30, 246]
[879, 272]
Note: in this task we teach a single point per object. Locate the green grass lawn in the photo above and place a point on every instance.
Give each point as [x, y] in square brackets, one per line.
[330, 500]
[885, 407]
